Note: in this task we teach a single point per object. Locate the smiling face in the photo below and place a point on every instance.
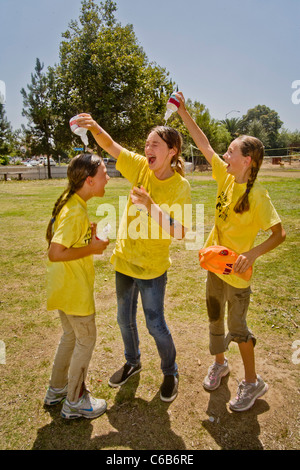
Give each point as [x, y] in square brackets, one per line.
[95, 185]
[100, 180]
[238, 165]
[159, 156]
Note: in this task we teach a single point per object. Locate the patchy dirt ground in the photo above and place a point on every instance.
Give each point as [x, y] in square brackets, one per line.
[136, 418]
[282, 169]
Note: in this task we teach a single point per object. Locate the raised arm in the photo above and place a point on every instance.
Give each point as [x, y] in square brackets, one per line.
[196, 133]
[103, 139]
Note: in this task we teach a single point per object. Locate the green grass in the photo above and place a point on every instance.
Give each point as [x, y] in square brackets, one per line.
[31, 333]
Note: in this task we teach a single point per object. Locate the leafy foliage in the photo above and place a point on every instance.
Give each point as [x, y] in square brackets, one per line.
[264, 123]
[5, 135]
[105, 72]
[38, 110]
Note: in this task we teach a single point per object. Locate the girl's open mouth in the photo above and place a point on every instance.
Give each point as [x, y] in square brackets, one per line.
[151, 160]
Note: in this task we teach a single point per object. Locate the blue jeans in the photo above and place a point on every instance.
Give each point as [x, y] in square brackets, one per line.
[152, 294]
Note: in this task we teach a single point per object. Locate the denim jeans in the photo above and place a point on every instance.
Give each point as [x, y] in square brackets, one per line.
[152, 295]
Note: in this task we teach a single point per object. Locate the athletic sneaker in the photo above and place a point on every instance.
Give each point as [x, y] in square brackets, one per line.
[169, 388]
[214, 375]
[247, 393]
[122, 375]
[55, 395]
[86, 407]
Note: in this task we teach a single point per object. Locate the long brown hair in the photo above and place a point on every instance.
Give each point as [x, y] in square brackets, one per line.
[253, 147]
[174, 141]
[80, 167]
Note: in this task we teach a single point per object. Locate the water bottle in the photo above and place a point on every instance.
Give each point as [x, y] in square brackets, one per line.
[172, 106]
[103, 234]
[81, 131]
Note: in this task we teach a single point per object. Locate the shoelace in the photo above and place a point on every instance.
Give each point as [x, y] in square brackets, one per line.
[243, 391]
[214, 369]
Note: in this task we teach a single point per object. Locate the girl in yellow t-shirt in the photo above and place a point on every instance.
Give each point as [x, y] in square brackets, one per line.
[70, 286]
[243, 207]
[155, 213]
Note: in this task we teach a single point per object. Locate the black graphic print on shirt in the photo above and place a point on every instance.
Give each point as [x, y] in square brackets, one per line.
[223, 206]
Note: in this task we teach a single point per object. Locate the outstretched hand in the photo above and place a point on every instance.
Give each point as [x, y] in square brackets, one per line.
[85, 120]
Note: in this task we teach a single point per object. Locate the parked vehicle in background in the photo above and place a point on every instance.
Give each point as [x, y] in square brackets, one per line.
[44, 161]
[32, 163]
[108, 160]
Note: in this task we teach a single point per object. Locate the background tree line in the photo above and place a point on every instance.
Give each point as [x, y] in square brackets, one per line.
[104, 71]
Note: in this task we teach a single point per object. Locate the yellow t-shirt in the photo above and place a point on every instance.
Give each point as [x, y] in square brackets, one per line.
[70, 284]
[238, 231]
[142, 247]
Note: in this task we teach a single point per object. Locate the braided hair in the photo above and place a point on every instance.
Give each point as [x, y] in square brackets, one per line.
[173, 140]
[253, 147]
[79, 169]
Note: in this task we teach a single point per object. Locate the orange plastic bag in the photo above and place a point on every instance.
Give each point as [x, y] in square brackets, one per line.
[220, 260]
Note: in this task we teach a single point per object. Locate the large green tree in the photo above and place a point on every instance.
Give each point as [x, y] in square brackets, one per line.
[37, 108]
[233, 125]
[6, 136]
[268, 127]
[104, 71]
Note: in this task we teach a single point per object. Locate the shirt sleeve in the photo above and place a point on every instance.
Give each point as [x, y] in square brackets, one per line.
[70, 229]
[218, 169]
[266, 215]
[129, 164]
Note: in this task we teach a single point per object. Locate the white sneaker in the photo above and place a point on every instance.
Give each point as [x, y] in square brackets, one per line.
[55, 395]
[86, 407]
[214, 375]
[247, 394]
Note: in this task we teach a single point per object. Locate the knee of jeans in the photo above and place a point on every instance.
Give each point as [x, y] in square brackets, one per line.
[155, 323]
[125, 322]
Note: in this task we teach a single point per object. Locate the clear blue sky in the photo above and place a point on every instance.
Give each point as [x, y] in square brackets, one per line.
[230, 55]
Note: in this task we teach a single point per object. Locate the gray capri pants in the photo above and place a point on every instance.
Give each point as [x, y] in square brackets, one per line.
[218, 293]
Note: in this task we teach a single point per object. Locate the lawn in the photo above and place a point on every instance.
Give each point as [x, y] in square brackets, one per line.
[136, 418]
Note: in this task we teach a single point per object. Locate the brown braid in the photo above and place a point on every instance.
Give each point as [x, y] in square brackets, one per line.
[253, 147]
[61, 201]
[79, 169]
[174, 141]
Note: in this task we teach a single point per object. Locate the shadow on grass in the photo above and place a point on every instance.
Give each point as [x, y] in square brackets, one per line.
[233, 430]
[138, 425]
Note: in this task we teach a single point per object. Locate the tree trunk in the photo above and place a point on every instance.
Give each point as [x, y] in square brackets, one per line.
[49, 167]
